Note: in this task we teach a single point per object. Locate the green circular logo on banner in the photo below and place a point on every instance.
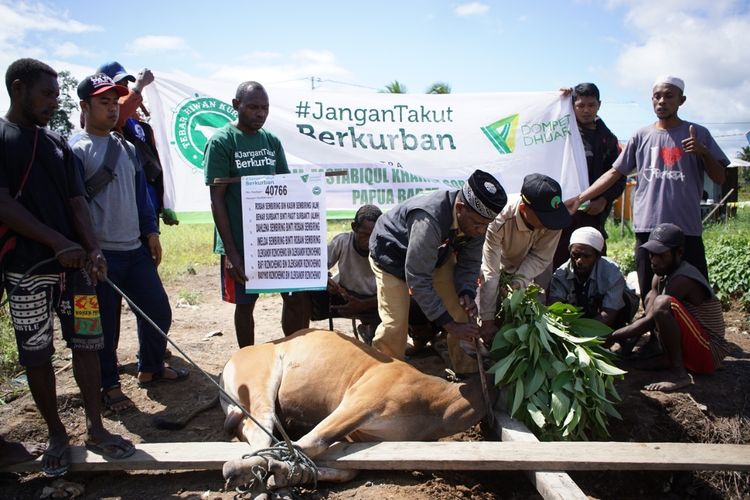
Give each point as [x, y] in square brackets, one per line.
[195, 121]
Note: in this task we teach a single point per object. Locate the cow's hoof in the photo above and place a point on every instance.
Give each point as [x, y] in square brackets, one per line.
[250, 472]
[287, 474]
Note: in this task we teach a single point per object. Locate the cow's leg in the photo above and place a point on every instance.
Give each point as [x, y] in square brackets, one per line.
[357, 407]
[263, 380]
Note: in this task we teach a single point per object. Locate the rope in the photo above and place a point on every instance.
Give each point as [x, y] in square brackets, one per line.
[35, 267]
[290, 452]
[299, 465]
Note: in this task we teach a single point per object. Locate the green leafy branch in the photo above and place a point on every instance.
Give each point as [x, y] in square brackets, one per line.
[558, 379]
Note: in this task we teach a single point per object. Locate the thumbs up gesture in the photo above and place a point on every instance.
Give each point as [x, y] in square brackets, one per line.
[692, 144]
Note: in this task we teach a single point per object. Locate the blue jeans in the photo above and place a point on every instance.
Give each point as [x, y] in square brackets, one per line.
[134, 272]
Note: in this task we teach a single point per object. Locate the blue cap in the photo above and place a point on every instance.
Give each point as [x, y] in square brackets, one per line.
[115, 71]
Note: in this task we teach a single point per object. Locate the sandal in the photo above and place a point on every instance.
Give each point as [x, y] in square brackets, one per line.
[115, 447]
[158, 377]
[116, 404]
[62, 454]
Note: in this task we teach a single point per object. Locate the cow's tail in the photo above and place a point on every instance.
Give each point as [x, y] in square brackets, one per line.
[177, 424]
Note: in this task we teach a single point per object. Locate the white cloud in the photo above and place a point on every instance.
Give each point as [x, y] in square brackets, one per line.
[702, 41]
[295, 68]
[471, 9]
[157, 43]
[69, 49]
[19, 20]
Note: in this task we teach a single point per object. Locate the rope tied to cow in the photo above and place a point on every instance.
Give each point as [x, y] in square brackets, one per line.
[287, 464]
[302, 468]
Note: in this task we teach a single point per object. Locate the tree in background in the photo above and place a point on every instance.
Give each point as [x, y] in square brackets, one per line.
[395, 87]
[60, 121]
[439, 88]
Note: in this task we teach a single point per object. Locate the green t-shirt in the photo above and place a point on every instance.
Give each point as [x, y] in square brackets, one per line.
[233, 153]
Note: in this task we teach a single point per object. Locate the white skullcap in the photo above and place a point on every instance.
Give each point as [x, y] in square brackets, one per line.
[587, 236]
[671, 80]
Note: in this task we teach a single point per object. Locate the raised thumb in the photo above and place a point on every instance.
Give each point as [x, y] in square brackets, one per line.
[693, 133]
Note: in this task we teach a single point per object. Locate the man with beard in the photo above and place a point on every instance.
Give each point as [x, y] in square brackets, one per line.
[593, 282]
[681, 310]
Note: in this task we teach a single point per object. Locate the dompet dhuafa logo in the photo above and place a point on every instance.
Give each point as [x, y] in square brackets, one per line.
[195, 121]
[502, 133]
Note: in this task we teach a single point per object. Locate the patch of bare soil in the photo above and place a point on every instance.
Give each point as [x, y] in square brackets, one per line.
[715, 409]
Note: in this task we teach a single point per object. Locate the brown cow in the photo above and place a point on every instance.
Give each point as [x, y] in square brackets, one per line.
[328, 387]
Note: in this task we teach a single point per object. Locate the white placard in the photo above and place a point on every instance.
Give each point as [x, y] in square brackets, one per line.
[284, 229]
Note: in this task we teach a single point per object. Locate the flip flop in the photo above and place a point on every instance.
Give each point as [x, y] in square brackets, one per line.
[115, 447]
[110, 402]
[182, 374]
[63, 455]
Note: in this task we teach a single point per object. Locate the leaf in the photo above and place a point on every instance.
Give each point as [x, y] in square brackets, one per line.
[612, 411]
[608, 369]
[501, 367]
[583, 357]
[535, 383]
[544, 336]
[518, 397]
[536, 415]
[563, 380]
[560, 406]
[523, 332]
[516, 299]
[585, 327]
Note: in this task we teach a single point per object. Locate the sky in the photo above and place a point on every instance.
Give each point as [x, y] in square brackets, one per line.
[474, 46]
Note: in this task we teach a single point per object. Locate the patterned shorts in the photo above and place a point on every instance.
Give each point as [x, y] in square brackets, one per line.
[69, 294]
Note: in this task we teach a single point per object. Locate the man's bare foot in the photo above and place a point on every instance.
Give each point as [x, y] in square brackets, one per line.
[674, 381]
[12, 452]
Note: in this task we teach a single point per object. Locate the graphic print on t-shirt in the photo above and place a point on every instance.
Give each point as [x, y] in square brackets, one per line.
[669, 157]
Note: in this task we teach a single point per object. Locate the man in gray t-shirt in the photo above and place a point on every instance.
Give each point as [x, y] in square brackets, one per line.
[670, 157]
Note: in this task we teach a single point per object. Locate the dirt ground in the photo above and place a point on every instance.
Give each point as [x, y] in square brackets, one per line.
[715, 409]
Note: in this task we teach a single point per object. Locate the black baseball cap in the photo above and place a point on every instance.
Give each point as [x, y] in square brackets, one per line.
[97, 84]
[544, 195]
[664, 238]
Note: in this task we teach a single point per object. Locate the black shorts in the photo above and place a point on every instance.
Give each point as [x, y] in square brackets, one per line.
[71, 295]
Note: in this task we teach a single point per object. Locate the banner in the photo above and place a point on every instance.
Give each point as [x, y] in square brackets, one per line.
[388, 147]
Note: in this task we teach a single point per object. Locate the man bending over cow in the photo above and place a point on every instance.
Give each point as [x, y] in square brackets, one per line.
[430, 247]
[682, 310]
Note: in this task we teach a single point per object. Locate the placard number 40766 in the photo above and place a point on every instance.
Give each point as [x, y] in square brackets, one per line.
[276, 190]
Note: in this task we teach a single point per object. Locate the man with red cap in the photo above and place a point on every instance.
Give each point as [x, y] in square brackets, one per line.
[123, 217]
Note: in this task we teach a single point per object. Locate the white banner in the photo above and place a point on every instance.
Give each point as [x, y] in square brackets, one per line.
[391, 146]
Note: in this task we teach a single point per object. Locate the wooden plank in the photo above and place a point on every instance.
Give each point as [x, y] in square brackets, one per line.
[550, 485]
[483, 455]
